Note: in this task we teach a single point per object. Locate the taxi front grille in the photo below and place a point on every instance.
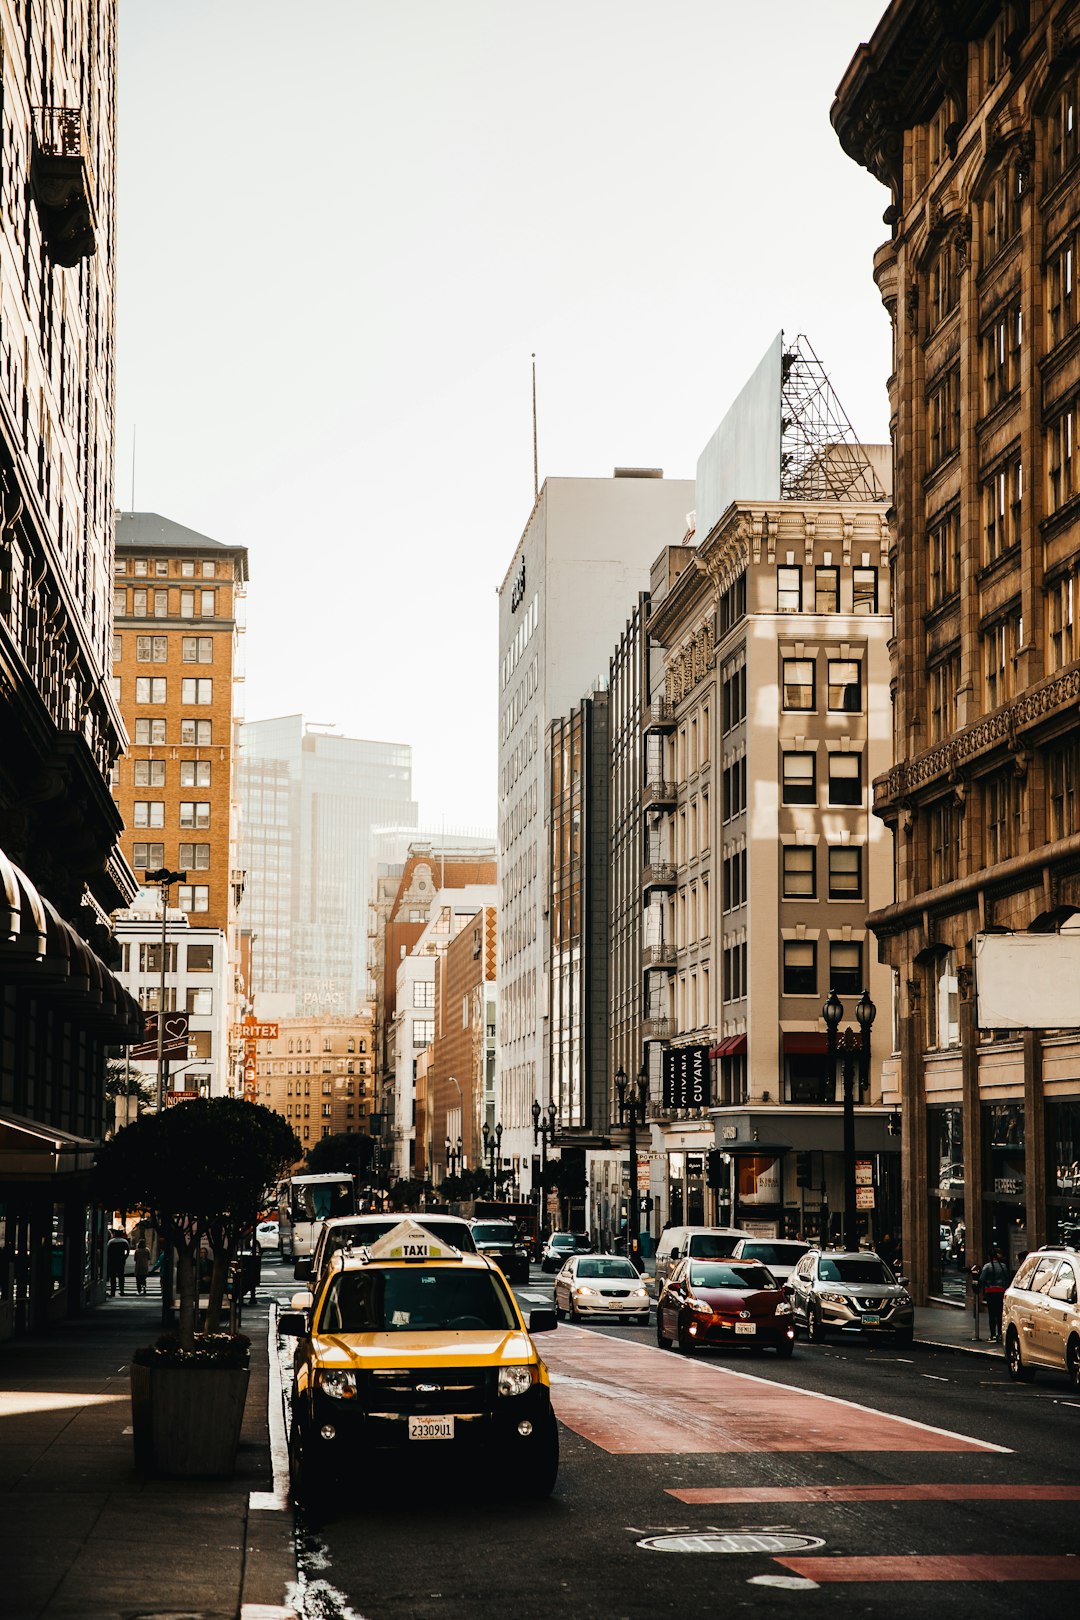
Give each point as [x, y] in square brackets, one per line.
[438, 1390]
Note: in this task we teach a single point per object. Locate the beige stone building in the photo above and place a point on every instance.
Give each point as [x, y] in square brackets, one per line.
[319, 1074]
[975, 135]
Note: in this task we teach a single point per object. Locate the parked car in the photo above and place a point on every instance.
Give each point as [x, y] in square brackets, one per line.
[268, 1234]
[601, 1285]
[781, 1255]
[724, 1302]
[561, 1245]
[1040, 1319]
[344, 1231]
[696, 1242]
[500, 1241]
[850, 1292]
[411, 1346]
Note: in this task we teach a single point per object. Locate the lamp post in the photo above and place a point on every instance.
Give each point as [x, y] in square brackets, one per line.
[632, 1113]
[164, 879]
[453, 1156]
[375, 1123]
[492, 1150]
[849, 1044]
[544, 1133]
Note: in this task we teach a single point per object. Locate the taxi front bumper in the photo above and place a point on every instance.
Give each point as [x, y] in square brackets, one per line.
[378, 1418]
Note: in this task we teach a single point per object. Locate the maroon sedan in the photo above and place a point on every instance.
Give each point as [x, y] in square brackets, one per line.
[714, 1302]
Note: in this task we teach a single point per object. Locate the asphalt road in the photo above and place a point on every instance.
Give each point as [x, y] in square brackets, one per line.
[854, 1476]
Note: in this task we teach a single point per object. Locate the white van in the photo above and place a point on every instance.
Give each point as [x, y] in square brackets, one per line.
[701, 1242]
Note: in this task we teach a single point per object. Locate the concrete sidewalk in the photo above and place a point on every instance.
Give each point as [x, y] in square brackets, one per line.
[950, 1328]
[83, 1536]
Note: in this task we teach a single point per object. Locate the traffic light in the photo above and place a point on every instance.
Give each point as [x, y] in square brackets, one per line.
[803, 1173]
[714, 1169]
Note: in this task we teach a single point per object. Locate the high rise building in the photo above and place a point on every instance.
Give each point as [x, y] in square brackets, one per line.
[310, 803]
[574, 577]
[969, 115]
[62, 872]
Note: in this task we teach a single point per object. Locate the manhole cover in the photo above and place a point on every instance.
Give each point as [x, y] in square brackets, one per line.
[731, 1541]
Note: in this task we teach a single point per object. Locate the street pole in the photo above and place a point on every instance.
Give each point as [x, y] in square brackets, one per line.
[632, 1112]
[849, 1045]
[164, 879]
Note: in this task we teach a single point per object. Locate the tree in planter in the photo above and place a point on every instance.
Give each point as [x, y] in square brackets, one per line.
[202, 1169]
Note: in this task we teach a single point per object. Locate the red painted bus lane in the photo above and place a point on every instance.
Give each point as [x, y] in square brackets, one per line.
[712, 1496]
[966, 1567]
[628, 1398]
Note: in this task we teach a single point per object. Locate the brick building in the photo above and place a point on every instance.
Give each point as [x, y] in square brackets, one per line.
[319, 1074]
[459, 1091]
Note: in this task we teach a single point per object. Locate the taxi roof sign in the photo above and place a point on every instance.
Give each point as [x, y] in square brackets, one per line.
[411, 1241]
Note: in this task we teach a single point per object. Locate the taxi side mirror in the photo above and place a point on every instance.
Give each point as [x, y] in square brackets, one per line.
[542, 1321]
[302, 1269]
[292, 1324]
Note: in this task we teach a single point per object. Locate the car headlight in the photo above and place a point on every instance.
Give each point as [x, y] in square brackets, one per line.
[699, 1306]
[639, 1293]
[337, 1382]
[583, 1288]
[833, 1299]
[903, 1298]
[784, 1308]
[517, 1380]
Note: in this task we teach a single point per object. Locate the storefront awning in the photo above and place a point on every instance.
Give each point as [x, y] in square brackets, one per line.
[29, 1148]
[728, 1046]
[801, 1042]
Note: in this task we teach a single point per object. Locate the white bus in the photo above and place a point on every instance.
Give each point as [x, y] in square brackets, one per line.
[305, 1202]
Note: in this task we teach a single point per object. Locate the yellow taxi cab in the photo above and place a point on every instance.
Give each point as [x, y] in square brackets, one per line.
[411, 1345]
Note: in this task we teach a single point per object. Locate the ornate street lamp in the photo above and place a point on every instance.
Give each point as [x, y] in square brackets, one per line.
[492, 1150]
[544, 1133]
[632, 1113]
[849, 1045]
[164, 879]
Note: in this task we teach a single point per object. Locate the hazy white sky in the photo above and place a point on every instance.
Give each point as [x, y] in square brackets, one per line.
[343, 227]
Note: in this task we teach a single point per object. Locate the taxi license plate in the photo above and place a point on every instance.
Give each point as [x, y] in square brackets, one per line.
[431, 1428]
[746, 1327]
[871, 1319]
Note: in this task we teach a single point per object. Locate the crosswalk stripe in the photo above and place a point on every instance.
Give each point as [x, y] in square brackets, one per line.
[710, 1496]
[915, 1567]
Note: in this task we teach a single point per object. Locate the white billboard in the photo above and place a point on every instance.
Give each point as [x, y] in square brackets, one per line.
[741, 462]
[1027, 981]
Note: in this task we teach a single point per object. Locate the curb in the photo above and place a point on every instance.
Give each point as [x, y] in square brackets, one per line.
[270, 1575]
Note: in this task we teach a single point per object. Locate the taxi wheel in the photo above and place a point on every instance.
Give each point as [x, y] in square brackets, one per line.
[1014, 1360]
[1072, 1363]
[541, 1469]
[309, 1489]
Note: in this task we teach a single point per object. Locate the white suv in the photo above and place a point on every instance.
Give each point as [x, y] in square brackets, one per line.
[1041, 1317]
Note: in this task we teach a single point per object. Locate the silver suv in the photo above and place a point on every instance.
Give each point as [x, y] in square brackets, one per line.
[850, 1292]
[1040, 1319]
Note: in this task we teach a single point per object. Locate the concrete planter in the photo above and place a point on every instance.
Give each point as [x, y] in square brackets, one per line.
[186, 1420]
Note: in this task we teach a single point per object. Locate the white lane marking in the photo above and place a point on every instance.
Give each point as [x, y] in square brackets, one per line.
[277, 1500]
[934, 1377]
[535, 1299]
[789, 1583]
[766, 1383]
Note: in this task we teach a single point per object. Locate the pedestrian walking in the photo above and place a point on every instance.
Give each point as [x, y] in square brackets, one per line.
[142, 1265]
[994, 1278]
[116, 1253]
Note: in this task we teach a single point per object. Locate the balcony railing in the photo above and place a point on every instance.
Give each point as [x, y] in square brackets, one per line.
[658, 795]
[657, 1027]
[659, 715]
[659, 875]
[658, 956]
[63, 185]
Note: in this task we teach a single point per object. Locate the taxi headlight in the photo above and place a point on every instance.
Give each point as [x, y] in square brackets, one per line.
[517, 1380]
[784, 1308]
[337, 1382]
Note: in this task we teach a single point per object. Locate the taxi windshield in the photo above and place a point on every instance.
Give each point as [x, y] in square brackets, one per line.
[730, 1276]
[606, 1268]
[405, 1299]
[368, 1231]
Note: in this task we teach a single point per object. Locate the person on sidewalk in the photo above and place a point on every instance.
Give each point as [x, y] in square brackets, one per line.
[142, 1265]
[116, 1253]
[994, 1278]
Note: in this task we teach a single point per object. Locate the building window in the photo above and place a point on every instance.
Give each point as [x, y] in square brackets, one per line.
[734, 881]
[1002, 496]
[207, 604]
[149, 732]
[187, 569]
[1062, 771]
[845, 779]
[187, 604]
[197, 689]
[1002, 812]
[944, 833]
[799, 875]
[798, 684]
[200, 959]
[946, 1003]
[197, 649]
[944, 545]
[195, 773]
[1001, 344]
[194, 897]
[845, 967]
[845, 685]
[138, 603]
[194, 813]
[423, 1031]
[150, 958]
[1001, 211]
[845, 871]
[943, 679]
[148, 857]
[864, 596]
[799, 781]
[789, 590]
[1001, 651]
[161, 604]
[734, 695]
[149, 813]
[944, 286]
[152, 649]
[201, 1001]
[943, 417]
[423, 993]
[195, 857]
[1060, 292]
[1061, 141]
[1061, 643]
[149, 773]
[800, 967]
[734, 788]
[826, 590]
[195, 733]
[209, 568]
[150, 689]
[1061, 468]
[735, 972]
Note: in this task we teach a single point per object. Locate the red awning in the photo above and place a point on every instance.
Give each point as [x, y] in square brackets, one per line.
[728, 1046]
[800, 1041]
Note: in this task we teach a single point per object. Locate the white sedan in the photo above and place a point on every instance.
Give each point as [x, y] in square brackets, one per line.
[600, 1285]
[267, 1234]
